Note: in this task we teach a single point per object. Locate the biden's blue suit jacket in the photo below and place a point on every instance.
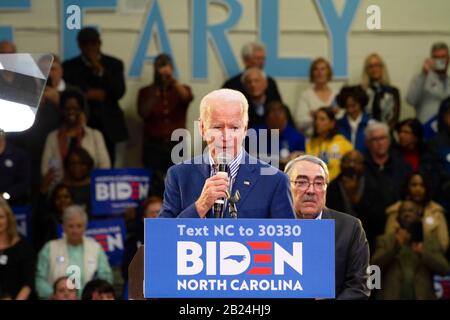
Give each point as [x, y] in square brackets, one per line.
[263, 195]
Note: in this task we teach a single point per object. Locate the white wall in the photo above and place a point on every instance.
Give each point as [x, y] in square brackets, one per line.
[409, 27]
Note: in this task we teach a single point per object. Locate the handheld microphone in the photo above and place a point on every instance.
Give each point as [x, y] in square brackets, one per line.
[222, 170]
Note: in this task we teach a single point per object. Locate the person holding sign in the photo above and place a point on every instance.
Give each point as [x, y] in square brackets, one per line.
[309, 180]
[193, 187]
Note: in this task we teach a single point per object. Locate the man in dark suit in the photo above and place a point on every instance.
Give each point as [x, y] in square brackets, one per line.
[309, 180]
[101, 78]
[253, 56]
[193, 187]
[256, 90]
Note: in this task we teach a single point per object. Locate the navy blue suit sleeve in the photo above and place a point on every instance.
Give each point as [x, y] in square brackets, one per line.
[172, 204]
[281, 206]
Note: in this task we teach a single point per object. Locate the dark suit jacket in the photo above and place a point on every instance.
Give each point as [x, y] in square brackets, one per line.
[107, 116]
[352, 256]
[383, 187]
[262, 195]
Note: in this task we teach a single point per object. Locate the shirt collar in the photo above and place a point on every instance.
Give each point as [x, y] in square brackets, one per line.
[356, 122]
[319, 216]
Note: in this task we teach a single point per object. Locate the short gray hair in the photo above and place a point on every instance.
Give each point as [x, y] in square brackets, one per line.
[225, 95]
[375, 125]
[246, 73]
[309, 158]
[250, 47]
[438, 46]
[74, 210]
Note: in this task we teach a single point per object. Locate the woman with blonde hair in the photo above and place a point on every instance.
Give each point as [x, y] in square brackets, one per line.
[16, 258]
[384, 99]
[320, 94]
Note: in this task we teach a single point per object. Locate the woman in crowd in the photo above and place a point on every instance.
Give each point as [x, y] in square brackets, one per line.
[410, 142]
[74, 249]
[433, 218]
[16, 258]
[78, 166]
[289, 139]
[352, 124]
[411, 147]
[48, 212]
[318, 95]
[72, 133]
[326, 143]
[407, 260]
[384, 99]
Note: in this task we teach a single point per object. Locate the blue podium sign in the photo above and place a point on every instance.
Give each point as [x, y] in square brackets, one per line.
[242, 258]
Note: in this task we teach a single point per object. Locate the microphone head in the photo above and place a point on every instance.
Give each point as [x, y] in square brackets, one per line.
[222, 161]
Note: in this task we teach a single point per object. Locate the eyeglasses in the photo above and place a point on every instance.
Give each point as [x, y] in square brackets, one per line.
[304, 184]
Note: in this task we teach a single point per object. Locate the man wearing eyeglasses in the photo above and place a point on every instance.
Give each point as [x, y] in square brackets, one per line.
[309, 180]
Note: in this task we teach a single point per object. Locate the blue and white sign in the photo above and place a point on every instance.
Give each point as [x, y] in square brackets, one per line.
[23, 221]
[248, 258]
[114, 190]
[110, 234]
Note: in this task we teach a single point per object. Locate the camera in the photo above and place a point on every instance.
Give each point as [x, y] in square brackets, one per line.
[416, 231]
[440, 64]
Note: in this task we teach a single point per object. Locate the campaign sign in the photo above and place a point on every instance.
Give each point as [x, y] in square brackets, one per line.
[23, 221]
[110, 234]
[239, 258]
[442, 287]
[114, 190]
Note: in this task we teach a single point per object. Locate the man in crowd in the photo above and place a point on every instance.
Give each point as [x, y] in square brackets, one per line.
[253, 56]
[430, 87]
[101, 78]
[385, 174]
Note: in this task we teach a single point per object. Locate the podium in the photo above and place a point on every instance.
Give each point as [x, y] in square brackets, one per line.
[136, 276]
[234, 258]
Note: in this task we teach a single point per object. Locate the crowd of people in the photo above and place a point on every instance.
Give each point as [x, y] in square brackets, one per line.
[392, 174]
